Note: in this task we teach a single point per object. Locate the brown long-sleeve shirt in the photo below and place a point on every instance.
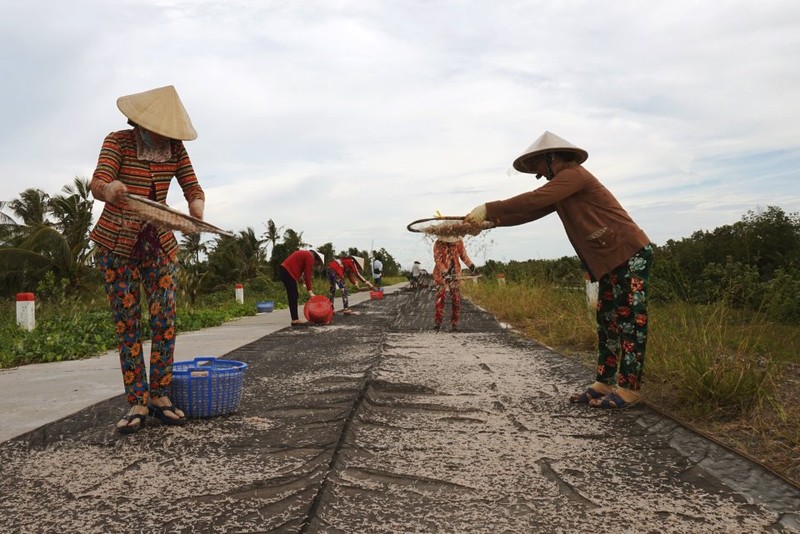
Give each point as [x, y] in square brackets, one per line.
[600, 230]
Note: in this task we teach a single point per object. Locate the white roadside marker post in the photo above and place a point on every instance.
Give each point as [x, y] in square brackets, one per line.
[26, 311]
[240, 293]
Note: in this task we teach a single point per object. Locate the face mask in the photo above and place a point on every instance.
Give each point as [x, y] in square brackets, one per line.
[146, 137]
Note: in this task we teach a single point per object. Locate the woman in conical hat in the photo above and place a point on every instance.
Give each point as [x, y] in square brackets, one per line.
[297, 267]
[131, 252]
[448, 253]
[335, 273]
[354, 269]
[614, 250]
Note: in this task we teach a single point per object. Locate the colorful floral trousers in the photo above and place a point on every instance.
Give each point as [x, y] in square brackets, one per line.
[622, 321]
[334, 281]
[124, 280]
[455, 300]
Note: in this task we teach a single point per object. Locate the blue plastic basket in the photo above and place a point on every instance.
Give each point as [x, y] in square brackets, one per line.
[266, 306]
[207, 387]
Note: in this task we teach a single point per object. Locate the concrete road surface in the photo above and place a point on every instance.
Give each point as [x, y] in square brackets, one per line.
[377, 424]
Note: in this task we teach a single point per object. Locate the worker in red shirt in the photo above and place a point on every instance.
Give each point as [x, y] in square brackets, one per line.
[354, 269]
[337, 270]
[299, 264]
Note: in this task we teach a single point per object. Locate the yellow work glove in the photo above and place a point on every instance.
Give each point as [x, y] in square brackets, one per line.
[477, 215]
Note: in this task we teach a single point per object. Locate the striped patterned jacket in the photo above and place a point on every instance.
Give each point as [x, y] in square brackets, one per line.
[118, 228]
[449, 256]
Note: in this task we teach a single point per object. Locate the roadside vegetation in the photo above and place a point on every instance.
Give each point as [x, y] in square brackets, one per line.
[45, 250]
[73, 328]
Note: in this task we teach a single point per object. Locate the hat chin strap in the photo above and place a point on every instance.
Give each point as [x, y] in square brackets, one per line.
[549, 174]
[548, 160]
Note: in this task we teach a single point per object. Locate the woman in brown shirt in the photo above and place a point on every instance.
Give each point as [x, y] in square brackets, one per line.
[135, 255]
[612, 247]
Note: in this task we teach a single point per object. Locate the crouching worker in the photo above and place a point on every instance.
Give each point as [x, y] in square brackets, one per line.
[299, 264]
[337, 270]
[448, 253]
[354, 270]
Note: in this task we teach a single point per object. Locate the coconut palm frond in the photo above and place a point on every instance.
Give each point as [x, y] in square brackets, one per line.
[16, 260]
[50, 243]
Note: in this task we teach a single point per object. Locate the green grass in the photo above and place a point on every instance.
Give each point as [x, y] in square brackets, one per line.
[73, 330]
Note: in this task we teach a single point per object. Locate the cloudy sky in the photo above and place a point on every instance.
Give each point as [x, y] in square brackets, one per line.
[346, 120]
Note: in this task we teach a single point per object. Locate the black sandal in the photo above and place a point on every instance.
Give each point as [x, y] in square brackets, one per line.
[128, 428]
[158, 413]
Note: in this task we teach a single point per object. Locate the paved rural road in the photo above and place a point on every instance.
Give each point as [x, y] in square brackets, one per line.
[375, 424]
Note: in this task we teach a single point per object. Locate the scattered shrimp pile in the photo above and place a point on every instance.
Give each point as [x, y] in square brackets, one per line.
[454, 228]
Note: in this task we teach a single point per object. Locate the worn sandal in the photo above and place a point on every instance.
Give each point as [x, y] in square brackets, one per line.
[583, 397]
[128, 428]
[158, 412]
[612, 401]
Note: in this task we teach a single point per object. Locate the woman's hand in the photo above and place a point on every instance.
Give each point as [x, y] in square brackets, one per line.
[196, 208]
[477, 215]
[114, 192]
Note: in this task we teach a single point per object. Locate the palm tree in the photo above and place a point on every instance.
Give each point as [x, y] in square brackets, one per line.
[73, 213]
[37, 246]
[32, 207]
[25, 257]
[252, 255]
[224, 264]
[192, 247]
[7, 225]
[44, 250]
[293, 240]
[273, 233]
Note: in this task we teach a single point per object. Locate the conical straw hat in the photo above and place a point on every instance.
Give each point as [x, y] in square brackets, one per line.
[359, 262]
[548, 142]
[316, 253]
[160, 111]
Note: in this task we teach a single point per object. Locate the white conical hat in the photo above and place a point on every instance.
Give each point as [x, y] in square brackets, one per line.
[359, 262]
[548, 142]
[317, 254]
[160, 111]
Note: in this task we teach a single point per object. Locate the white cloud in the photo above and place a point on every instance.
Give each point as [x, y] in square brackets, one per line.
[347, 120]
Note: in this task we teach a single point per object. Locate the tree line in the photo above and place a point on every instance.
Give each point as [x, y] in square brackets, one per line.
[45, 247]
[751, 264]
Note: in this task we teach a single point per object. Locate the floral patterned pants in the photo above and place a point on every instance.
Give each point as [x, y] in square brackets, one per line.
[334, 281]
[455, 298]
[124, 280]
[622, 321]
